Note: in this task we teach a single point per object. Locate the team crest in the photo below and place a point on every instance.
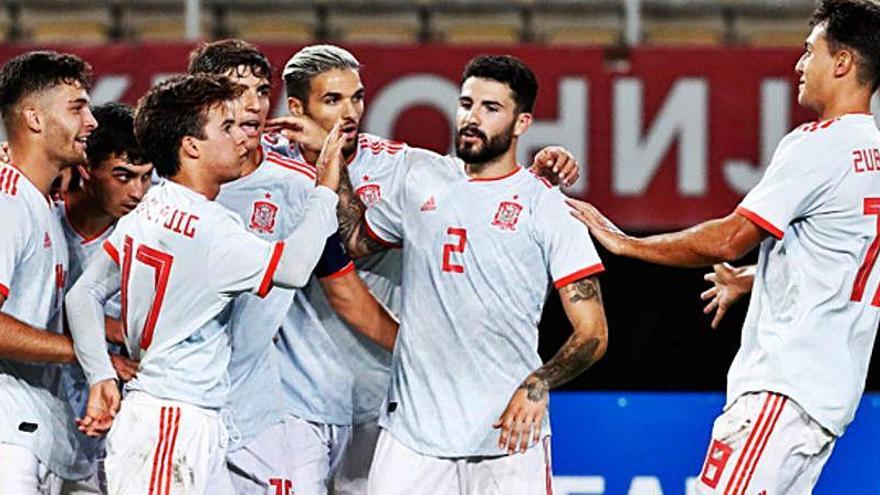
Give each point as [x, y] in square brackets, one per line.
[507, 215]
[370, 194]
[263, 217]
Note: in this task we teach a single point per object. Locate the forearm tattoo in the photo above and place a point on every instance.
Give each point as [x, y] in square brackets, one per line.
[576, 355]
[350, 210]
[583, 290]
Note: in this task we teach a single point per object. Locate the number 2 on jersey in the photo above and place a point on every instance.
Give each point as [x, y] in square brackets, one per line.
[457, 247]
[161, 264]
[872, 207]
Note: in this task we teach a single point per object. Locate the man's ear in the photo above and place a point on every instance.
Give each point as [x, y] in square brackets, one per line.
[295, 107]
[523, 122]
[844, 62]
[190, 147]
[32, 119]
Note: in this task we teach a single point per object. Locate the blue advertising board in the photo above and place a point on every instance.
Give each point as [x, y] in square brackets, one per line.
[646, 443]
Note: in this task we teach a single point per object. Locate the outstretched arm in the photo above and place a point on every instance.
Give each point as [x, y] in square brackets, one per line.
[520, 423]
[715, 241]
[85, 314]
[358, 307]
[22, 342]
[730, 284]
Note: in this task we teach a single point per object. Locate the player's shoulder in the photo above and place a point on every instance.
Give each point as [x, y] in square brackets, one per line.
[284, 166]
[276, 142]
[11, 182]
[372, 145]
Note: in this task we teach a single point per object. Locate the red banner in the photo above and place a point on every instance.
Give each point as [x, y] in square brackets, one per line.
[666, 137]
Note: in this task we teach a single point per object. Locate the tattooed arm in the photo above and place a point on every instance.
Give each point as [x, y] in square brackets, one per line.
[520, 423]
[352, 225]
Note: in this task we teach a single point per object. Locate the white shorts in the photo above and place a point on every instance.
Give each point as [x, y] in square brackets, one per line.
[399, 470]
[351, 476]
[22, 473]
[163, 447]
[295, 456]
[764, 444]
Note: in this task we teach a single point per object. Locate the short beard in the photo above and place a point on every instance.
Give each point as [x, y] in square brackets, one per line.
[492, 148]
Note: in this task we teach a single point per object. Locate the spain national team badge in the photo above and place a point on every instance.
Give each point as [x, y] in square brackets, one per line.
[507, 215]
[370, 194]
[263, 217]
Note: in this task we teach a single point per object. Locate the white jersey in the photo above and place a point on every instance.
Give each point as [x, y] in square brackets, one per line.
[270, 201]
[80, 249]
[183, 258]
[33, 265]
[333, 374]
[815, 302]
[478, 260]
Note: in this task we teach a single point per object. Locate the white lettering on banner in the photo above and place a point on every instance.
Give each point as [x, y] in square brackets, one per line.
[109, 88]
[570, 129]
[396, 97]
[595, 485]
[741, 175]
[683, 116]
[645, 485]
[578, 485]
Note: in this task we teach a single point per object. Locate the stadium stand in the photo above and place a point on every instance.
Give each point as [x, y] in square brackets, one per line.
[553, 22]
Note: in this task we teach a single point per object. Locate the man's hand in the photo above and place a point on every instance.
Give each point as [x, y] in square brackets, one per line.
[602, 229]
[330, 161]
[557, 165]
[101, 409]
[520, 423]
[302, 130]
[126, 369]
[731, 283]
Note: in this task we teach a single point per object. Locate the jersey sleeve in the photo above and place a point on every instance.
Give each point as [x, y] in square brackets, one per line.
[334, 260]
[239, 261]
[13, 243]
[568, 249]
[112, 246]
[790, 189]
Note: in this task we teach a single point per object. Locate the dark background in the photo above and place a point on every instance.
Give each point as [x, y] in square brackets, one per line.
[658, 336]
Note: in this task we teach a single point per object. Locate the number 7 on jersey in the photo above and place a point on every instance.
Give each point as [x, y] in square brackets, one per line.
[161, 264]
[872, 207]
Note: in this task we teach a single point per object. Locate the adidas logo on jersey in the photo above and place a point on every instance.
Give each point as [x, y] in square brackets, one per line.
[429, 205]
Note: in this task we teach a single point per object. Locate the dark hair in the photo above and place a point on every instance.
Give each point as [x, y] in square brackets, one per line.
[311, 62]
[223, 56]
[114, 135]
[510, 71]
[33, 72]
[175, 109]
[854, 24]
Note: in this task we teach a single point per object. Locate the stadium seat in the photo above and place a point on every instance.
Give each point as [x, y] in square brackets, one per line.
[72, 24]
[576, 28]
[287, 25]
[374, 27]
[772, 32]
[682, 30]
[479, 28]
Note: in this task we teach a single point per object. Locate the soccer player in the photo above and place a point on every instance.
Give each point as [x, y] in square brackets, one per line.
[110, 184]
[179, 259]
[482, 241]
[44, 102]
[269, 198]
[799, 374]
[323, 86]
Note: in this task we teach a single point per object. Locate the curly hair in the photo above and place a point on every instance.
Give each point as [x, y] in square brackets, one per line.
[177, 108]
[34, 72]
